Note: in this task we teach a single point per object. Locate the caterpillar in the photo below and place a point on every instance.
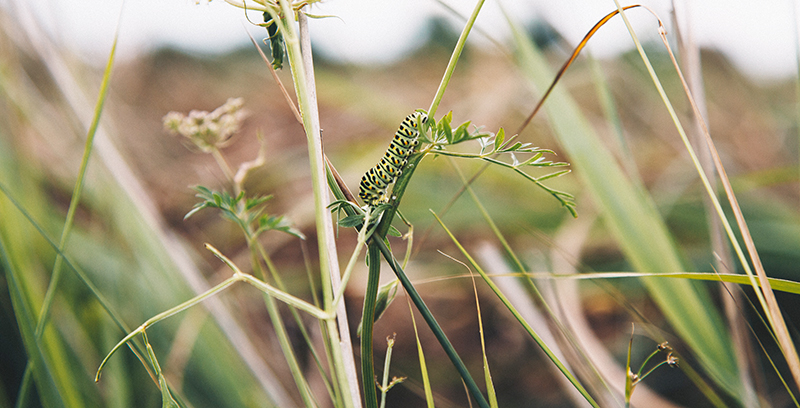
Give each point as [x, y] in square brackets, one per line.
[372, 189]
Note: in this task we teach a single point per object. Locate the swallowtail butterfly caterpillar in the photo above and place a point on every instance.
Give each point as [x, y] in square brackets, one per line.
[373, 185]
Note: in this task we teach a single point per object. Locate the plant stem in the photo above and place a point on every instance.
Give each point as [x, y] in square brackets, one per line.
[451, 65]
[432, 324]
[303, 78]
[519, 318]
[367, 321]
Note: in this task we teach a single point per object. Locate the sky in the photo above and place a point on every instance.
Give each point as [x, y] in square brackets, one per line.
[759, 37]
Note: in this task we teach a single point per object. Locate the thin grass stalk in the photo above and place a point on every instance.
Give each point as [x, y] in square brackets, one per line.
[570, 240]
[690, 62]
[629, 373]
[632, 218]
[48, 391]
[55, 276]
[344, 330]
[302, 75]
[782, 285]
[77, 190]
[238, 276]
[258, 251]
[280, 330]
[386, 365]
[490, 390]
[457, 51]
[470, 384]
[423, 365]
[531, 288]
[518, 317]
[764, 292]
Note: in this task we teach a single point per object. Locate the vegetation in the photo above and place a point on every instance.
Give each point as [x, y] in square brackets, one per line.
[519, 261]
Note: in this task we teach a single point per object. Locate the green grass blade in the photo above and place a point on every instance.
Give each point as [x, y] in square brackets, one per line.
[451, 65]
[519, 317]
[433, 325]
[783, 285]
[78, 189]
[636, 226]
[26, 322]
[423, 366]
[487, 373]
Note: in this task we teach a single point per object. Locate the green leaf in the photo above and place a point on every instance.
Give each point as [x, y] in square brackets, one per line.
[462, 133]
[386, 295]
[513, 148]
[351, 221]
[394, 232]
[444, 126]
[499, 138]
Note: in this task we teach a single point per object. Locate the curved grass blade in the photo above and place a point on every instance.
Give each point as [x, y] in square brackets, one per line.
[763, 291]
[423, 366]
[519, 318]
[637, 227]
[26, 321]
[73, 205]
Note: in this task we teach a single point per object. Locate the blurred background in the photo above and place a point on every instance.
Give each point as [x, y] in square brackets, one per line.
[375, 62]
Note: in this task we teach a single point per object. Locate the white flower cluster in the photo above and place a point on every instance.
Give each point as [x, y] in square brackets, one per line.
[208, 130]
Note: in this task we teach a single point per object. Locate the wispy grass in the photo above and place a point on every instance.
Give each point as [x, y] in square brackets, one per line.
[130, 268]
[635, 224]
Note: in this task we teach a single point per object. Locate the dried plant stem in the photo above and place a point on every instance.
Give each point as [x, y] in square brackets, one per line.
[762, 288]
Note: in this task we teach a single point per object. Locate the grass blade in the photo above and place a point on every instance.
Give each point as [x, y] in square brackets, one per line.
[26, 322]
[519, 318]
[423, 366]
[636, 225]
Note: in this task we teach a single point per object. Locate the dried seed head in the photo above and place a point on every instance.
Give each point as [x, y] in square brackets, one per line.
[672, 361]
[208, 130]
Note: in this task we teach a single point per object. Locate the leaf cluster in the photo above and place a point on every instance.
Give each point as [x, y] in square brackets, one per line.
[442, 133]
[492, 145]
[247, 212]
[354, 219]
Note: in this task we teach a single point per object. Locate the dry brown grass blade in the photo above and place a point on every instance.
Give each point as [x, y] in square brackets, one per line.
[689, 51]
[277, 79]
[345, 190]
[774, 315]
[569, 62]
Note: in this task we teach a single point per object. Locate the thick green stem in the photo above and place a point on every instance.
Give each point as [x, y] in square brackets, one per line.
[367, 320]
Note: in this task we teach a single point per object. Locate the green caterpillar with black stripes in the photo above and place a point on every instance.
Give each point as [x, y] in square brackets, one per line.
[372, 189]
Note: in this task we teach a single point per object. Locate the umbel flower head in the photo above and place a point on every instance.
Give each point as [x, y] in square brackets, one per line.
[208, 130]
